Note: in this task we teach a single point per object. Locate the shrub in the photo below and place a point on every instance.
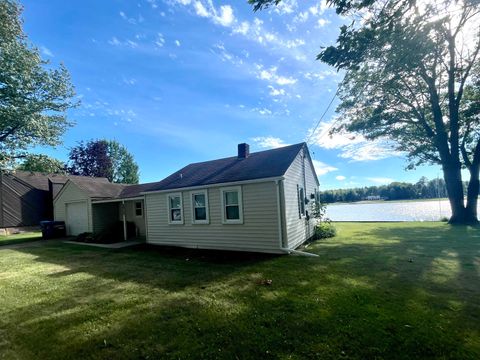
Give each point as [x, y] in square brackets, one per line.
[325, 230]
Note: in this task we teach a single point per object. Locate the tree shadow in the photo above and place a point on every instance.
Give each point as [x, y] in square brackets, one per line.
[410, 293]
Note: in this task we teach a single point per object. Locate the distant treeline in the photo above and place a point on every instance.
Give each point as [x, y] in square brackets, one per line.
[423, 189]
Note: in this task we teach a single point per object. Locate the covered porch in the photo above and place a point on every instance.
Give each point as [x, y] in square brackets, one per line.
[125, 216]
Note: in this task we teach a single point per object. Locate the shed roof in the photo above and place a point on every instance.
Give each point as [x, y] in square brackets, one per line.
[40, 180]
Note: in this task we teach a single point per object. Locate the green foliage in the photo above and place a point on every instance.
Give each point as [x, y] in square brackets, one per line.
[423, 189]
[33, 99]
[43, 164]
[125, 169]
[325, 230]
[104, 158]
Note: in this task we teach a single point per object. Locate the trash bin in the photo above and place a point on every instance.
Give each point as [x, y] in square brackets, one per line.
[53, 229]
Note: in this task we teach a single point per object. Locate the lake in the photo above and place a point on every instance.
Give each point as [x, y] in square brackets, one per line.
[432, 210]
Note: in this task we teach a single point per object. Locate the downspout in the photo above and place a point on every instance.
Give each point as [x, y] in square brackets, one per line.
[280, 228]
[124, 221]
[279, 215]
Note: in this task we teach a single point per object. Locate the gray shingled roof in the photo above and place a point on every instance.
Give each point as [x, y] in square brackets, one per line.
[99, 189]
[259, 165]
[40, 181]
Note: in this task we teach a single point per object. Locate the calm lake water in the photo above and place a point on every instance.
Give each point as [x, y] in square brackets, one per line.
[391, 211]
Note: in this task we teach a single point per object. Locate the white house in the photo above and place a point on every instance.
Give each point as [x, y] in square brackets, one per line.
[250, 202]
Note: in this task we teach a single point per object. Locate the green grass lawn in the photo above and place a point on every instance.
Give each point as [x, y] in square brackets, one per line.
[19, 238]
[390, 290]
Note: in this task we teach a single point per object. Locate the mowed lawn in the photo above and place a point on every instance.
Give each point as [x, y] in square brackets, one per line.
[19, 238]
[391, 291]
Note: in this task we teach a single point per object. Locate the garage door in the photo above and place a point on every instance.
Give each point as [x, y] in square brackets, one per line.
[77, 222]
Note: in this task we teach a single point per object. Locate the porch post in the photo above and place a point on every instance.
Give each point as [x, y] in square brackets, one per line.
[124, 221]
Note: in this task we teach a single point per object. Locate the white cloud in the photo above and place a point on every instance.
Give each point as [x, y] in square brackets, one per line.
[242, 28]
[272, 76]
[352, 146]
[177, 42]
[46, 51]
[262, 111]
[160, 41]
[276, 92]
[131, 81]
[226, 16]
[340, 177]
[269, 142]
[321, 168]
[128, 43]
[380, 180]
[200, 10]
[286, 7]
[322, 22]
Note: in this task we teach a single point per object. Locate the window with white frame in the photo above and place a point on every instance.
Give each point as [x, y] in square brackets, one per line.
[175, 210]
[301, 201]
[232, 209]
[200, 207]
[138, 208]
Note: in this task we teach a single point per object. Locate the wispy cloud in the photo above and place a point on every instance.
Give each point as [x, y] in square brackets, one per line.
[340, 177]
[321, 168]
[269, 142]
[352, 146]
[126, 43]
[270, 74]
[46, 51]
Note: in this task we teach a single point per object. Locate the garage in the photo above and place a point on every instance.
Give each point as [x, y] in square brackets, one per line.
[77, 218]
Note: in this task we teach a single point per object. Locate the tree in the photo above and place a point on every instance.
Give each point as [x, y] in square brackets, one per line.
[125, 169]
[103, 158]
[408, 67]
[33, 99]
[43, 164]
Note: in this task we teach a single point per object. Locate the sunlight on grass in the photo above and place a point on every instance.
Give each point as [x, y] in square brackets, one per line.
[414, 297]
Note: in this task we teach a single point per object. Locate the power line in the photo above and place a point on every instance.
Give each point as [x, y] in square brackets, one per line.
[323, 115]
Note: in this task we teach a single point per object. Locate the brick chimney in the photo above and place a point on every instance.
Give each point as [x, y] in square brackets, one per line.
[243, 151]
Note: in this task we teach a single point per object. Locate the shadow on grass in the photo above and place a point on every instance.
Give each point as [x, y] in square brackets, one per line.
[374, 292]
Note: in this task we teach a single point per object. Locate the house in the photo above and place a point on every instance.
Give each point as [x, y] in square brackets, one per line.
[26, 197]
[250, 202]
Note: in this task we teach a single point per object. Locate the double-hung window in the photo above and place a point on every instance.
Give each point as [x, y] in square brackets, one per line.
[232, 209]
[175, 209]
[138, 208]
[200, 213]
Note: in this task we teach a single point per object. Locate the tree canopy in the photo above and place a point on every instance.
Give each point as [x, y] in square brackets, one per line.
[103, 158]
[410, 77]
[43, 164]
[33, 98]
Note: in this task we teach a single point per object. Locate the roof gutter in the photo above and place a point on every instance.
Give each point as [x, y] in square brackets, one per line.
[276, 178]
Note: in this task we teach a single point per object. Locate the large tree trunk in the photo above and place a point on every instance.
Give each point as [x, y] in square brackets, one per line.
[472, 195]
[453, 181]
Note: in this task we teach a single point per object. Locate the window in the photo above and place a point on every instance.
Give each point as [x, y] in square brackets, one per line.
[175, 212]
[200, 207]
[232, 205]
[138, 208]
[301, 201]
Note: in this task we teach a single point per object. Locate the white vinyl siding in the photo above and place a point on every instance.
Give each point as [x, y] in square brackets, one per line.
[298, 229]
[232, 205]
[69, 194]
[259, 231]
[199, 206]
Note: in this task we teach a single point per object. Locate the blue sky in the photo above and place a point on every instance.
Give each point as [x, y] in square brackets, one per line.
[181, 81]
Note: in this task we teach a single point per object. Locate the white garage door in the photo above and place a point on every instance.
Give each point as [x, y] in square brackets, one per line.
[77, 222]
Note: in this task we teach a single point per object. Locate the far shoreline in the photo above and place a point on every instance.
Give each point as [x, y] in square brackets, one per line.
[362, 202]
